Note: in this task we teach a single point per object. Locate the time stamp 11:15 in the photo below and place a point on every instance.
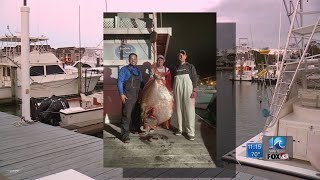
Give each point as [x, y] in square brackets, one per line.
[255, 150]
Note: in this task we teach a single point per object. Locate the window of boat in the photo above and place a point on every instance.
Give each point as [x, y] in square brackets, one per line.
[84, 65]
[8, 71]
[36, 71]
[54, 69]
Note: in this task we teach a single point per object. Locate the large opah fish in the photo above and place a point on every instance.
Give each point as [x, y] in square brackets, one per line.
[156, 103]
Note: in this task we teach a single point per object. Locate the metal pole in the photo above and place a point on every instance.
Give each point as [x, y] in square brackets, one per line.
[155, 43]
[279, 39]
[106, 5]
[25, 64]
[80, 65]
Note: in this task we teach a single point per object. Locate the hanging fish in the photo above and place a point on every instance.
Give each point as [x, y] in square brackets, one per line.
[156, 103]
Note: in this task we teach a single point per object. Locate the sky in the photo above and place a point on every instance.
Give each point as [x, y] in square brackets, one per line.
[58, 20]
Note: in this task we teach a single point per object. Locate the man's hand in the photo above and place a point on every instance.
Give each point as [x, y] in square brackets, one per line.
[156, 76]
[123, 98]
[194, 94]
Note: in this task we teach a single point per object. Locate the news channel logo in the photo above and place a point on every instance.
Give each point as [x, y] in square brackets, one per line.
[277, 142]
[277, 147]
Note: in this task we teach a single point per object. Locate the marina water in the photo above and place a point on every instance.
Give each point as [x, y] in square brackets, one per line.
[249, 119]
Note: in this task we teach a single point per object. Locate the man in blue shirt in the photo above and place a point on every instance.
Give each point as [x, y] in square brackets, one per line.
[129, 85]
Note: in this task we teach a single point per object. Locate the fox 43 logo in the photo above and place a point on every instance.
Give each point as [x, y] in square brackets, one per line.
[282, 156]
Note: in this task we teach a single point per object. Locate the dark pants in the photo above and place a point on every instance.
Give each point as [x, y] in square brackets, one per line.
[130, 115]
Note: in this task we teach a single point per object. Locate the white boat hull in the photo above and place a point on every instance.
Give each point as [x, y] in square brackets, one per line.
[60, 88]
[5, 93]
[89, 112]
[242, 78]
[79, 115]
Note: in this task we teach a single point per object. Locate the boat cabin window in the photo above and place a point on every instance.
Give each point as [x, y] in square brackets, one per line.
[36, 71]
[8, 71]
[54, 69]
[84, 65]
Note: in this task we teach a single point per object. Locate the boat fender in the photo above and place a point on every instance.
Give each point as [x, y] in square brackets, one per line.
[265, 112]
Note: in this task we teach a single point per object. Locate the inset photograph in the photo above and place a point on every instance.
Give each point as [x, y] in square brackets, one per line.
[159, 90]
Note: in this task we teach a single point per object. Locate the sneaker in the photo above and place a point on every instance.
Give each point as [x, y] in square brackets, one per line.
[126, 140]
[178, 133]
[139, 132]
[190, 138]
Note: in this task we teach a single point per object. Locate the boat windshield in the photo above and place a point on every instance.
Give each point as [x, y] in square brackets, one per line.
[36, 71]
[54, 69]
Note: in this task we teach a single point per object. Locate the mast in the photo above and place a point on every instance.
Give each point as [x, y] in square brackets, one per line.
[25, 62]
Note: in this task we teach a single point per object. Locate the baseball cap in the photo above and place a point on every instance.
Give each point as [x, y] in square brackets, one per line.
[183, 52]
[161, 57]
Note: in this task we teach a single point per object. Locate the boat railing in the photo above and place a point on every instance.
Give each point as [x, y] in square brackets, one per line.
[317, 56]
[121, 22]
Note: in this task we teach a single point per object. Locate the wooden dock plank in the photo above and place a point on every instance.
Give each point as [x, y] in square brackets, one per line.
[63, 165]
[29, 143]
[49, 158]
[40, 146]
[43, 149]
[157, 155]
[38, 150]
[209, 173]
[141, 146]
[182, 173]
[4, 116]
[227, 174]
[134, 172]
[24, 128]
[31, 156]
[23, 138]
[97, 170]
[55, 159]
[259, 178]
[151, 173]
[25, 131]
[162, 152]
[131, 172]
[161, 159]
[160, 149]
[153, 140]
[243, 176]
[117, 172]
[54, 168]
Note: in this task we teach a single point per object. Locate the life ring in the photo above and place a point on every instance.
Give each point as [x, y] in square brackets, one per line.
[67, 60]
